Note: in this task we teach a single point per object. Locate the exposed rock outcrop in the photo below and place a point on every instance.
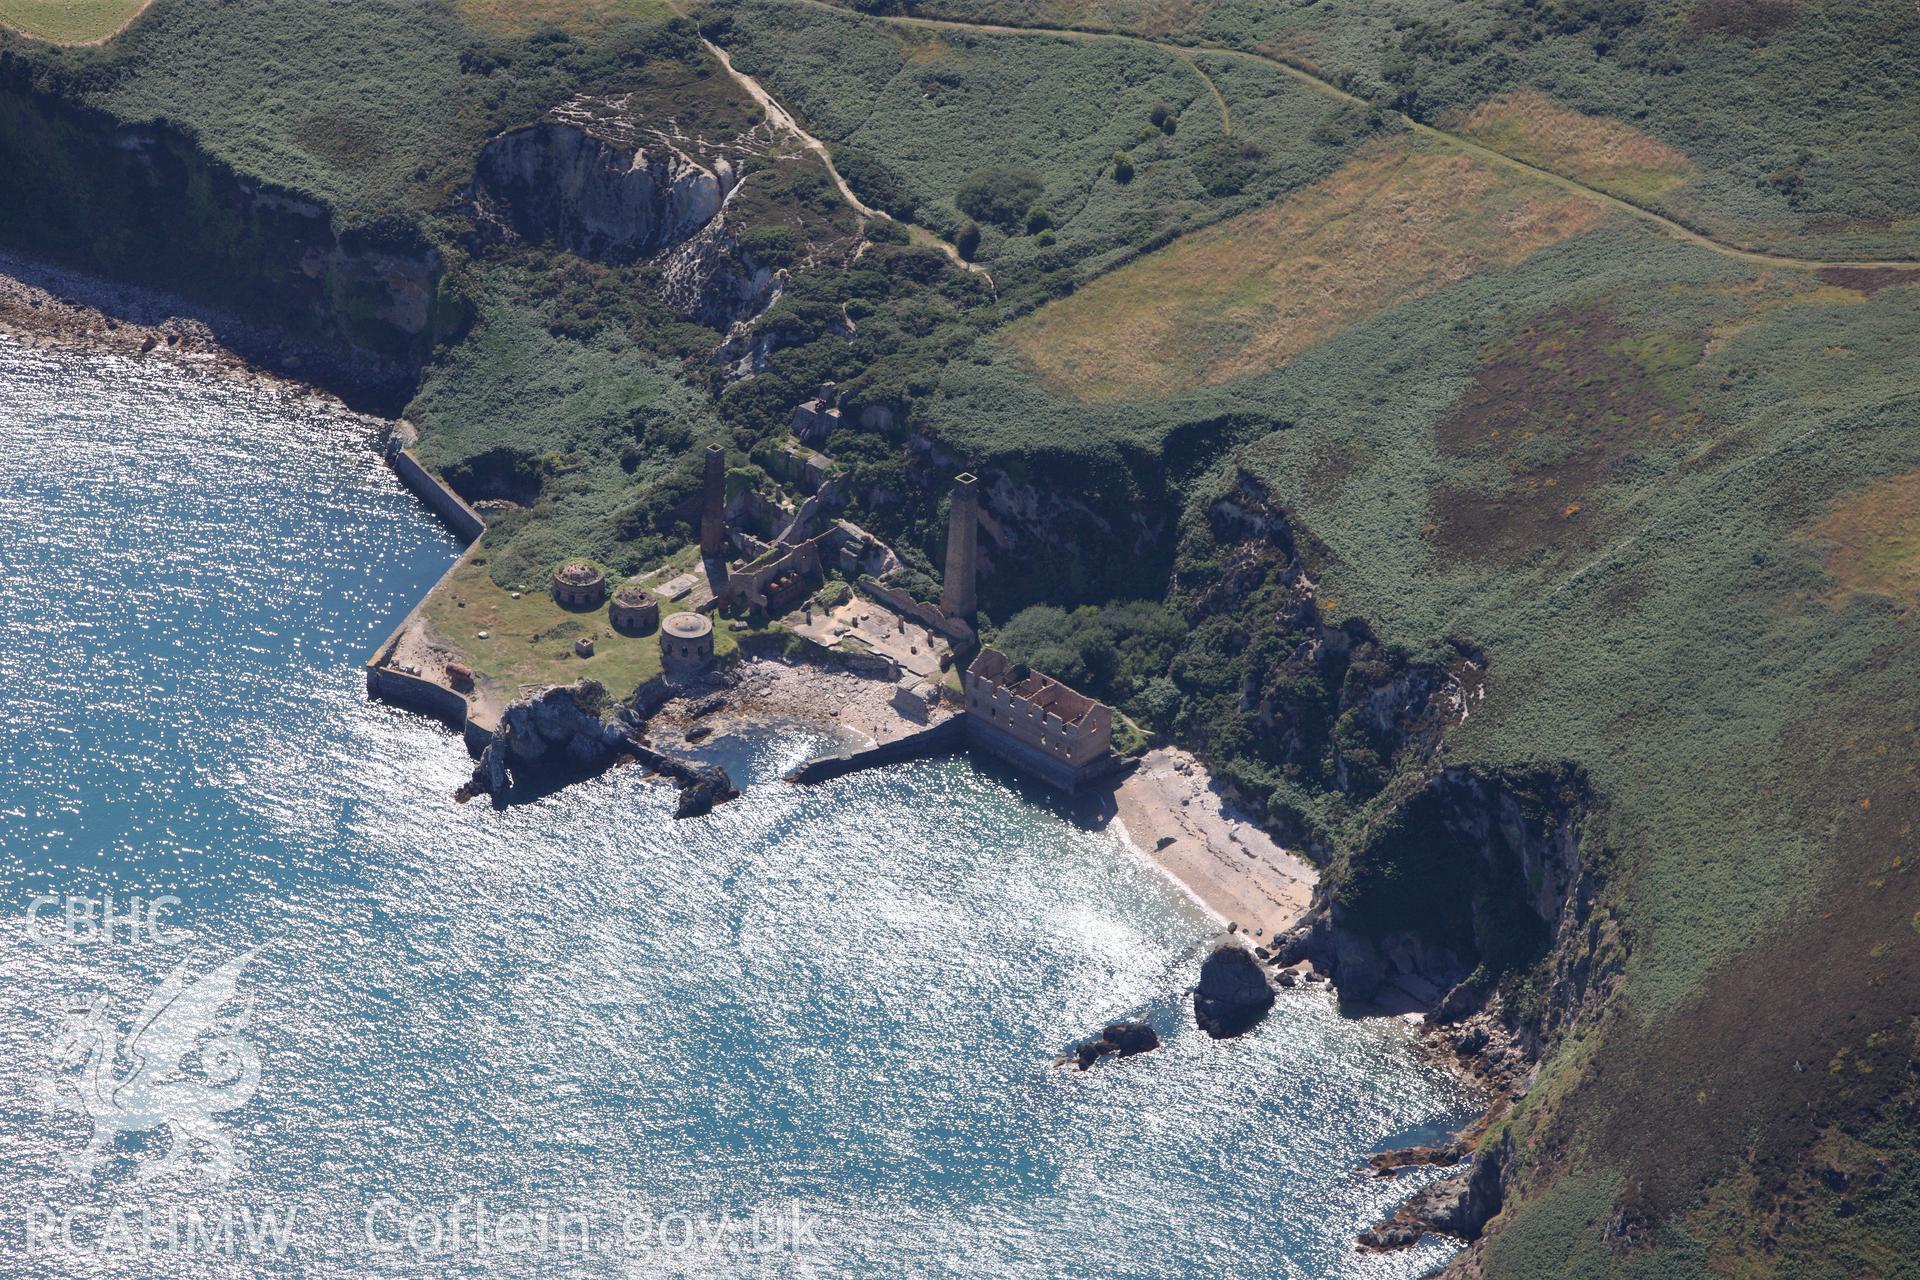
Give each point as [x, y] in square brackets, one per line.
[1233, 995]
[1459, 1205]
[267, 271]
[702, 786]
[577, 729]
[1124, 1038]
[1335, 706]
[557, 183]
[561, 729]
[1474, 873]
[711, 278]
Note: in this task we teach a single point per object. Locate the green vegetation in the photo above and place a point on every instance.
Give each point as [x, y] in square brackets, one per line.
[1305, 433]
[1795, 118]
[286, 90]
[591, 437]
[1117, 652]
[530, 640]
[998, 196]
[69, 21]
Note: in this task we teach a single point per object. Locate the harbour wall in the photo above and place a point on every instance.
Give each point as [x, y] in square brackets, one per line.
[434, 491]
[948, 736]
[961, 732]
[389, 684]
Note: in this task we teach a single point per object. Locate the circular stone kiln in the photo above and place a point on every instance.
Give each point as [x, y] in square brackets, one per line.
[686, 643]
[579, 585]
[634, 611]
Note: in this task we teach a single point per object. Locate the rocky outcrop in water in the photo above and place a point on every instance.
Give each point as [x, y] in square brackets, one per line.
[1233, 995]
[1459, 1205]
[702, 785]
[562, 729]
[1124, 1039]
[575, 729]
[557, 183]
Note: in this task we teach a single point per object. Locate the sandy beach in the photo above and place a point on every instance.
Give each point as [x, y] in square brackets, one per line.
[1169, 811]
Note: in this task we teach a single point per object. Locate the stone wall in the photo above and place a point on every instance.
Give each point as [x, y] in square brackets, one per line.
[417, 693]
[1038, 711]
[433, 491]
[954, 629]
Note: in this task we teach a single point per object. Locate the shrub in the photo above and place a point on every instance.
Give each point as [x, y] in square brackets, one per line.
[998, 195]
[1122, 167]
[1038, 220]
[1224, 167]
[876, 184]
[770, 246]
[1162, 117]
[967, 241]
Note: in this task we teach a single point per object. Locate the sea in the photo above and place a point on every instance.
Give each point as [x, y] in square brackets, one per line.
[272, 1003]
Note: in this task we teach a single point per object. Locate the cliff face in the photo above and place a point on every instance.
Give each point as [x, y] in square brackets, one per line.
[1473, 876]
[1317, 699]
[556, 183]
[357, 311]
[613, 193]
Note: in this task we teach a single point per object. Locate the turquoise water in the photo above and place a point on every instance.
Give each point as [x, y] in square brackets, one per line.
[808, 1035]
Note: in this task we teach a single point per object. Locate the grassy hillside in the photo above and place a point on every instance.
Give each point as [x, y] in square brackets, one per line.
[914, 114]
[69, 21]
[1791, 118]
[375, 108]
[1663, 493]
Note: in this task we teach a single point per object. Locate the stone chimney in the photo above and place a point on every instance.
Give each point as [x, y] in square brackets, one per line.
[713, 504]
[963, 538]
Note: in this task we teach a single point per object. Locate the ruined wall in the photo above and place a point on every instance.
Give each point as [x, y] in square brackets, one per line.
[1078, 738]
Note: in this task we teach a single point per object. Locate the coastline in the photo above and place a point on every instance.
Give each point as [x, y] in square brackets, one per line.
[1170, 812]
[1166, 809]
[46, 307]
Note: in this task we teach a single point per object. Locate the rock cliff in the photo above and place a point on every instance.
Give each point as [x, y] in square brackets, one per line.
[561, 729]
[558, 183]
[357, 310]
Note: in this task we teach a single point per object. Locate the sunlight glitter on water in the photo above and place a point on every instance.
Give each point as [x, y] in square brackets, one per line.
[840, 1002]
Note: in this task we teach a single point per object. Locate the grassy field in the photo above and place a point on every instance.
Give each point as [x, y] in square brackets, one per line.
[69, 21]
[530, 640]
[1874, 537]
[1248, 295]
[1603, 153]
